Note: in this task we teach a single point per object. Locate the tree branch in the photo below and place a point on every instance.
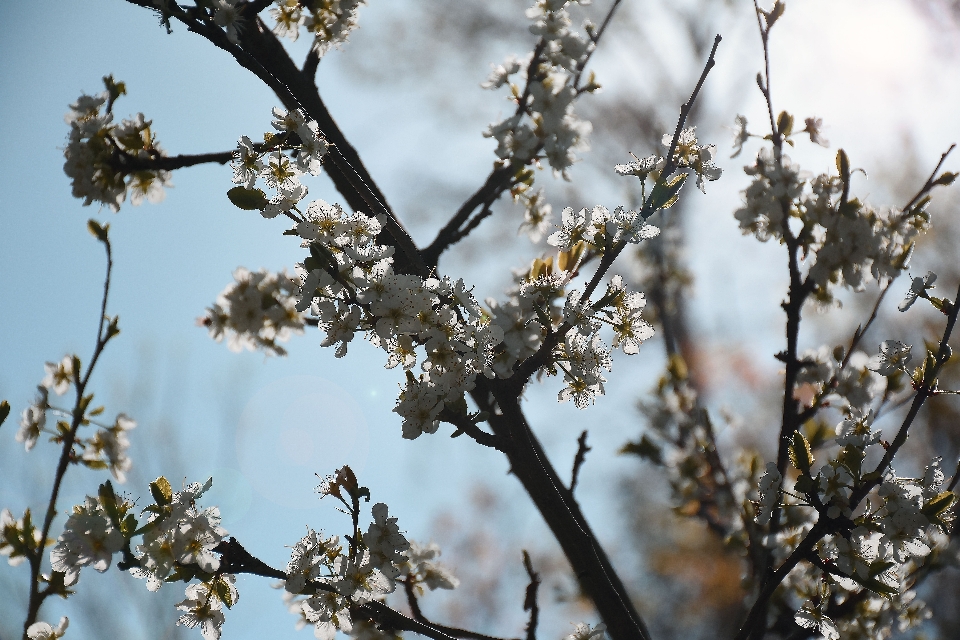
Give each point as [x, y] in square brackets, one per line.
[501, 178]
[530, 597]
[578, 460]
[37, 597]
[260, 52]
[529, 463]
[236, 559]
[408, 587]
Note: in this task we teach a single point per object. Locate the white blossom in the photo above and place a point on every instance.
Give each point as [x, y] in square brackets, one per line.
[45, 631]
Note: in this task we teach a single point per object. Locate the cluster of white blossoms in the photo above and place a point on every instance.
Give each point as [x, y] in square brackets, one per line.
[46, 631]
[89, 538]
[179, 532]
[329, 22]
[325, 579]
[843, 241]
[179, 538]
[350, 286]
[544, 124]
[97, 150]
[688, 154]
[873, 547]
[105, 449]
[256, 311]
[850, 384]
[297, 149]
[583, 631]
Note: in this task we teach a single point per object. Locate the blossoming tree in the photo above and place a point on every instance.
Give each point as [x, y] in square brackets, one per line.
[834, 549]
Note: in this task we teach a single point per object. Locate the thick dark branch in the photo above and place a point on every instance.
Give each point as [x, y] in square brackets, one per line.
[529, 463]
[260, 52]
[310, 64]
[129, 164]
[578, 460]
[530, 597]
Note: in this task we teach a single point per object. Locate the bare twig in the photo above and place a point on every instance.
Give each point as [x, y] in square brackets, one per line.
[465, 425]
[408, 587]
[530, 597]
[578, 460]
[595, 39]
[671, 164]
[931, 181]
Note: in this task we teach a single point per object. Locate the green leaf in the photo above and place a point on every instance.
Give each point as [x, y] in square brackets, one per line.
[784, 124]
[247, 199]
[646, 449]
[945, 178]
[843, 165]
[222, 589]
[805, 484]
[4, 410]
[129, 525]
[664, 195]
[161, 491]
[770, 17]
[108, 500]
[879, 566]
[99, 232]
[800, 454]
[936, 506]
[114, 88]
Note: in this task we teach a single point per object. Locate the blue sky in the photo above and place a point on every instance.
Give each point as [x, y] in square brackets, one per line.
[263, 426]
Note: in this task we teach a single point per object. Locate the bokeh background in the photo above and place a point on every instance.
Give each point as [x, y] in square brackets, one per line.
[405, 90]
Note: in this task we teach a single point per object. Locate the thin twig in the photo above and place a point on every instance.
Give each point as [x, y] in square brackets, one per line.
[926, 389]
[578, 460]
[501, 178]
[929, 184]
[861, 331]
[37, 597]
[408, 587]
[465, 425]
[530, 597]
[671, 164]
[595, 39]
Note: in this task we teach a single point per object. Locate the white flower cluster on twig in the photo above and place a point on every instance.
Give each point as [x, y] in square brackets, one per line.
[96, 146]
